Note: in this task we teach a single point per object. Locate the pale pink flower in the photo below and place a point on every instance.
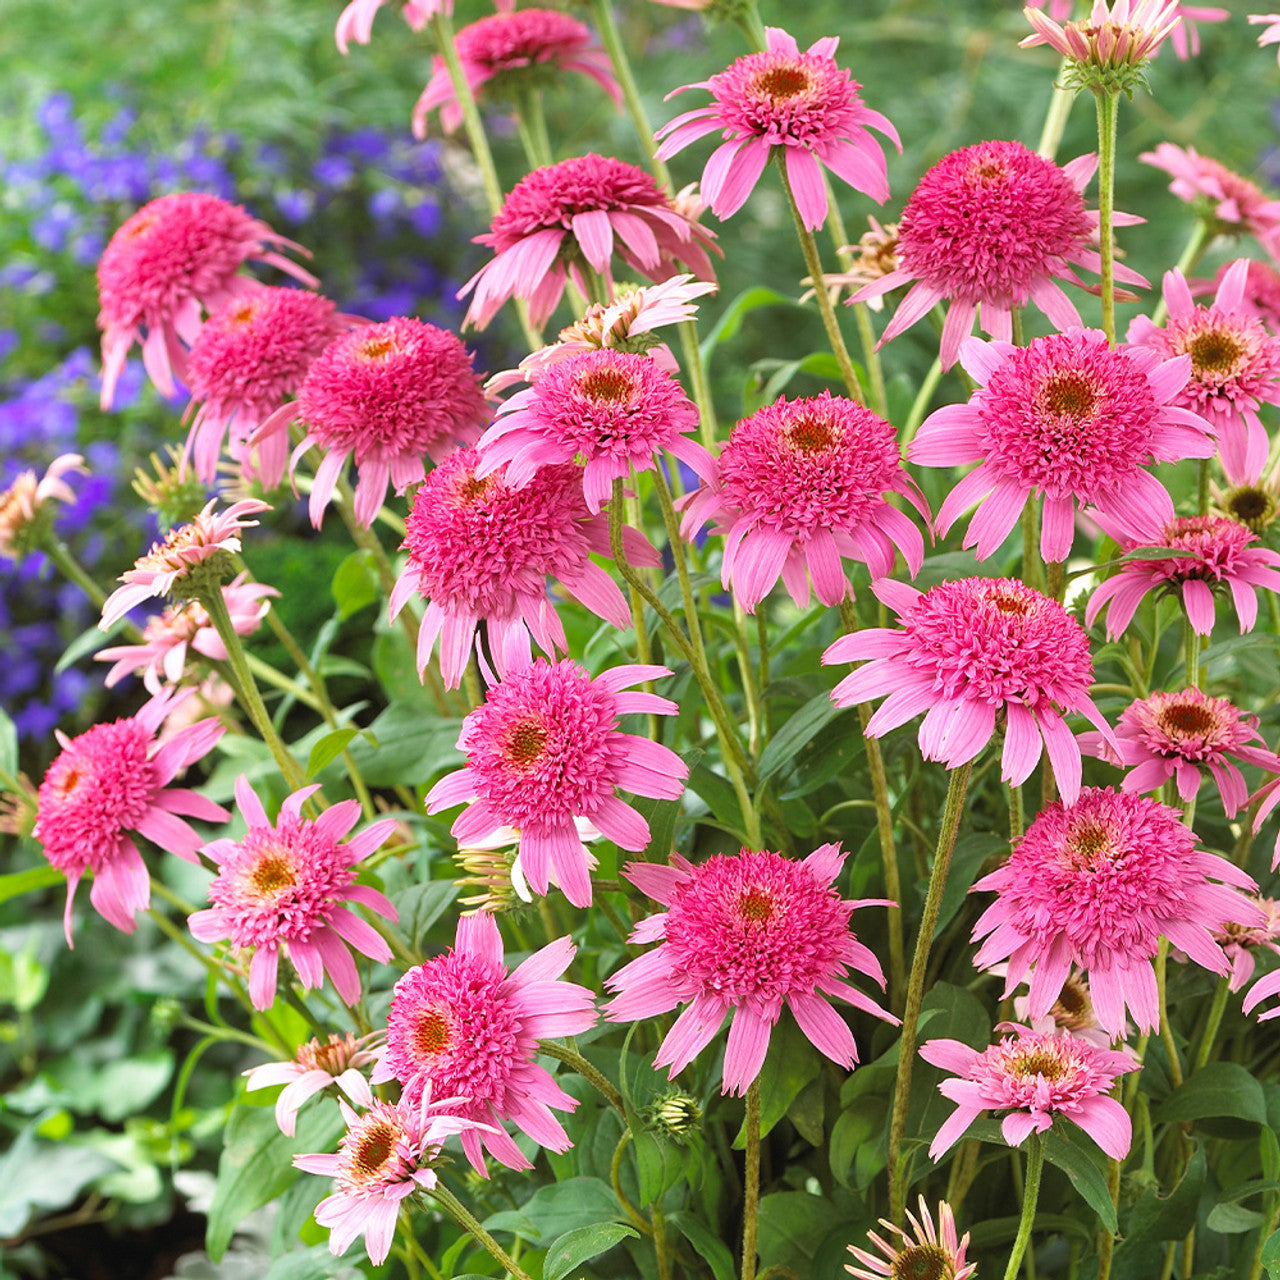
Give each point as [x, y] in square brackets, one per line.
[110, 781]
[482, 550]
[1261, 990]
[801, 102]
[167, 637]
[510, 46]
[967, 651]
[1117, 36]
[312, 1069]
[1272, 23]
[460, 1024]
[1096, 884]
[175, 257]
[23, 504]
[577, 213]
[355, 22]
[1035, 1078]
[1176, 735]
[931, 1255]
[613, 409]
[744, 934]
[1217, 552]
[1261, 296]
[873, 257]
[1071, 1013]
[800, 485]
[183, 551]
[1239, 942]
[1186, 36]
[1069, 418]
[284, 886]
[545, 749]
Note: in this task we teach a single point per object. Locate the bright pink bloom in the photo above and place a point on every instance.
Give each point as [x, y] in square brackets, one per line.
[558, 218]
[545, 749]
[1071, 1013]
[966, 651]
[932, 1255]
[480, 549]
[1096, 883]
[1261, 296]
[613, 409]
[1272, 23]
[355, 22]
[1219, 552]
[801, 102]
[114, 779]
[1035, 1078]
[1235, 366]
[284, 886]
[1239, 942]
[799, 485]
[512, 44]
[460, 1024]
[176, 256]
[312, 1069]
[1117, 34]
[988, 228]
[744, 934]
[22, 503]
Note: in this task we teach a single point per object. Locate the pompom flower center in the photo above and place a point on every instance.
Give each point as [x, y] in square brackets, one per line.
[787, 80]
[802, 96]
[922, 1262]
[377, 348]
[275, 873]
[1215, 352]
[432, 1034]
[1184, 720]
[166, 556]
[756, 906]
[526, 742]
[611, 386]
[1089, 847]
[1036, 1062]
[372, 1151]
[1070, 395]
[810, 432]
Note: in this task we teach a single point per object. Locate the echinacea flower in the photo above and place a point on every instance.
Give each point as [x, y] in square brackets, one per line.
[1261, 296]
[1185, 37]
[577, 213]
[355, 22]
[1108, 50]
[531, 45]
[481, 549]
[545, 749]
[1239, 942]
[799, 485]
[312, 1069]
[1271, 21]
[966, 652]
[933, 1254]
[801, 102]
[1069, 418]
[178, 255]
[24, 505]
[1035, 1078]
[460, 1024]
[745, 934]
[111, 781]
[284, 887]
[872, 258]
[1096, 884]
[1071, 1013]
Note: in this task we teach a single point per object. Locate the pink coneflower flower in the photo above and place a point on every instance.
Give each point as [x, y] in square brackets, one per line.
[481, 549]
[873, 257]
[799, 485]
[1261, 296]
[1235, 366]
[745, 934]
[1272, 23]
[513, 47]
[966, 651]
[181, 556]
[987, 229]
[312, 1069]
[1035, 1078]
[460, 1024]
[545, 749]
[249, 356]
[386, 1155]
[1176, 735]
[1239, 942]
[284, 886]
[613, 409]
[355, 22]
[1096, 883]
[110, 781]
[931, 1255]
[1219, 552]
[24, 506]
[1186, 37]
[1071, 1013]
[1068, 417]
[176, 256]
[1111, 46]
[801, 102]
[578, 212]
[166, 638]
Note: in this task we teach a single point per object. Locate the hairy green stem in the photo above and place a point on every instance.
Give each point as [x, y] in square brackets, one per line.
[1055, 120]
[468, 1221]
[442, 27]
[1108, 104]
[1030, 1197]
[1219, 1006]
[1166, 1031]
[572, 1058]
[751, 1188]
[920, 404]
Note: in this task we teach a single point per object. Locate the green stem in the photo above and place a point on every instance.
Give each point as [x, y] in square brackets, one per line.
[58, 552]
[751, 1190]
[697, 371]
[871, 359]
[467, 1220]
[1108, 104]
[1216, 1010]
[1055, 120]
[1199, 240]
[1030, 1196]
[532, 127]
[615, 1177]
[572, 1058]
[1191, 652]
[1106, 1241]
[660, 1248]
[442, 27]
[1032, 565]
[920, 405]
[269, 675]
[1166, 1031]
[1202, 485]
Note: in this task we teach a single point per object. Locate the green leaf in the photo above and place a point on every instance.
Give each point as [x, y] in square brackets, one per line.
[355, 585]
[1238, 644]
[421, 905]
[718, 793]
[1068, 1150]
[659, 1165]
[128, 1085]
[726, 328]
[83, 645]
[575, 1247]
[560, 1207]
[412, 746]
[328, 749]
[1231, 1219]
[714, 1252]
[970, 853]
[799, 730]
[38, 1175]
[1220, 1089]
[1270, 1256]
[792, 1224]
[1156, 1218]
[17, 883]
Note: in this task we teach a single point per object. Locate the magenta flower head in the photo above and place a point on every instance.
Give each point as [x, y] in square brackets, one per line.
[745, 934]
[544, 749]
[460, 1024]
[1235, 366]
[934, 1254]
[801, 102]
[1097, 883]
[355, 22]
[968, 651]
[797, 487]
[1067, 417]
[1035, 1078]
[284, 886]
[613, 409]
[312, 1069]
[578, 212]
[175, 257]
[113, 780]
[481, 549]
[25, 510]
